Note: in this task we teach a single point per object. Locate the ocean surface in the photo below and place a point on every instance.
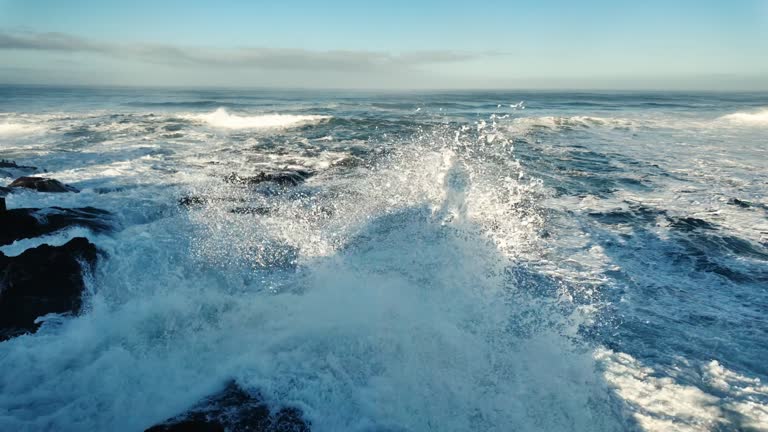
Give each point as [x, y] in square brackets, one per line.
[454, 261]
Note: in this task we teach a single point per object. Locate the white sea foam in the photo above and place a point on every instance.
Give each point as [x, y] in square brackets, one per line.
[755, 118]
[17, 129]
[661, 403]
[224, 120]
[400, 317]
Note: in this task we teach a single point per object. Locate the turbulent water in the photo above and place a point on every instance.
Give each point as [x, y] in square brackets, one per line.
[486, 261]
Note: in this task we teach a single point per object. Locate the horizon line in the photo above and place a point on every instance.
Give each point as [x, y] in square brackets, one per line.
[385, 89]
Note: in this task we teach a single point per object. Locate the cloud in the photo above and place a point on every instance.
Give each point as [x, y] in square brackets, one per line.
[249, 57]
[45, 41]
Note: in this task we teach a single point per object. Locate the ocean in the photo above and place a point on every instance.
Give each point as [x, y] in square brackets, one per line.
[401, 261]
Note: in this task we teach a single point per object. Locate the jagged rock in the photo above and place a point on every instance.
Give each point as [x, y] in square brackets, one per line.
[11, 169]
[287, 178]
[17, 224]
[739, 203]
[43, 280]
[5, 163]
[42, 184]
[234, 409]
[192, 201]
[259, 211]
[688, 224]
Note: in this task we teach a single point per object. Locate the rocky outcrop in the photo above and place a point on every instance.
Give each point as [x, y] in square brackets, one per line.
[43, 280]
[5, 164]
[285, 178]
[250, 210]
[16, 224]
[193, 201]
[42, 184]
[234, 409]
[11, 169]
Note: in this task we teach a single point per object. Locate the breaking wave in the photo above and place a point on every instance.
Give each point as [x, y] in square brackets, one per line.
[224, 120]
[757, 118]
[16, 129]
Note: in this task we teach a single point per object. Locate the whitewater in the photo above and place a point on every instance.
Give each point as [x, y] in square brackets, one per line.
[460, 261]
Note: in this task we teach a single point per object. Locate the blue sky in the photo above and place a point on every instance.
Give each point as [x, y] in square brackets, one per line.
[396, 44]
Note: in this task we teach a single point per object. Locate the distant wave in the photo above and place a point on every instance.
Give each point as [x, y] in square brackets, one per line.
[14, 129]
[757, 118]
[525, 124]
[224, 120]
[189, 104]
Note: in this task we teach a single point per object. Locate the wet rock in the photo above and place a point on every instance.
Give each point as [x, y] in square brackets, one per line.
[17, 224]
[258, 211]
[234, 409]
[11, 169]
[688, 224]
[43, 280]
[739, 203]
[42, 184]
[287, 178]
[193, 201]
[5, 163]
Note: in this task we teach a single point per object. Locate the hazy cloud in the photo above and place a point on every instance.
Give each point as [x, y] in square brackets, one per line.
[262, 58]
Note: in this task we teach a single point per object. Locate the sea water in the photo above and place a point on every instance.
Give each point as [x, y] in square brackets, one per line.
[458, 261]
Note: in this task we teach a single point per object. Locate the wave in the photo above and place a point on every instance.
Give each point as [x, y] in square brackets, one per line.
[189, 104]
[15, 129]
[528, 124]
[224, 120]
[758, 118]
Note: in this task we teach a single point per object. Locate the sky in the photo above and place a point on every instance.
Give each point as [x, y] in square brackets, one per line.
[428, 44]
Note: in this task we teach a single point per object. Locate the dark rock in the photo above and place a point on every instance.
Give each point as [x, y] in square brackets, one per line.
[234, 409]
[4, 163]
[739, 203]
[287, 178]
[200, 201]
[43, 280]
[11, 169]
[259, 211]
[42, 184]
[5, 191]
[688, 224]
[17, 224]
[193, 201]
[2, 204]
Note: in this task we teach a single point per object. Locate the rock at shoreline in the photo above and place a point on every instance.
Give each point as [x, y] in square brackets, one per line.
[11, 169]
[249, 210]
[287, 178]
[43, 280]
[42, 184]
[5, 163]
[193, 201]
[17, 224]
[234, 409]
